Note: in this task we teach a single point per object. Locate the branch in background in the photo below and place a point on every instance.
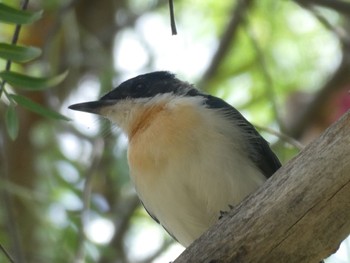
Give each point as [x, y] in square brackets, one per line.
[8, 207]
[269, 84]
[336, 5]
[301, 214]
[98, 147]
[11, 222]
[125, 211]
[339, 32]
[238, 15]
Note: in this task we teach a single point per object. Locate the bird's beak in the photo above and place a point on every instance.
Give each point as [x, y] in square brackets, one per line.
[92, 106]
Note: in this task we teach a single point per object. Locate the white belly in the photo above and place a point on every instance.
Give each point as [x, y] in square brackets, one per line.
[189, 201]
[185, 171]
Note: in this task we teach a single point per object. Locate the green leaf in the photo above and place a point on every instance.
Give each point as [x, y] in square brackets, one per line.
[14, 16]
[18, 53]
[11, 120]
[37, 108]
[31, 83]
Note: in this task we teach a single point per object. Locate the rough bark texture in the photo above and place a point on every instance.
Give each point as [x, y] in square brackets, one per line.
[301, 214]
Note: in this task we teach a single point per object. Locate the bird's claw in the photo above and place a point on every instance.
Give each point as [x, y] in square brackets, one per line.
[222, 213]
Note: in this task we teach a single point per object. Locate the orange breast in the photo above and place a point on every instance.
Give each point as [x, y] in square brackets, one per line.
[160, 135]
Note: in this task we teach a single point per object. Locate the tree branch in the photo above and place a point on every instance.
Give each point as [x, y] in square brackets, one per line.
[301, 214]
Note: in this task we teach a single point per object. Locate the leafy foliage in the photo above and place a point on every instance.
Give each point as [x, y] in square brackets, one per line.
[31, 83]
[275, 61]
[31, 105]
[14, 16]
[20, 54]
[17, 53]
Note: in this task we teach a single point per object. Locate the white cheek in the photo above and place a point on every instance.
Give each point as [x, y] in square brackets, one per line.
[121, 118]
[124, 116]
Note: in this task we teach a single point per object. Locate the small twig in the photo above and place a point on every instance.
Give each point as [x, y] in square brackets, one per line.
[13, 42]
[282, 136]
[172, 18]
[7, 254]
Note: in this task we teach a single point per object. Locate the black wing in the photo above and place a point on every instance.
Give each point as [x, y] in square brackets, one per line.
[259, 149]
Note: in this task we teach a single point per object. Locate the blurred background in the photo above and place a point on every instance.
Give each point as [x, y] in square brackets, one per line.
[65, 190]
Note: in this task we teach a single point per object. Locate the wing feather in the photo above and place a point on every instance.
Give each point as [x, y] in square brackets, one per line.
[259, 150]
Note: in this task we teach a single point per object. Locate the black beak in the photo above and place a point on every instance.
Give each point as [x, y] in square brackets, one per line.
[92, 106]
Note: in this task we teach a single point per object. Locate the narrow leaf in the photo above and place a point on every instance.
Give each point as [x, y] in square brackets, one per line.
[14, 16]
[18, 53]
[37, 108]
[31, 83]
[11, 120]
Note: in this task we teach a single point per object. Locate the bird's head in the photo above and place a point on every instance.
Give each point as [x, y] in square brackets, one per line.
[138, 99]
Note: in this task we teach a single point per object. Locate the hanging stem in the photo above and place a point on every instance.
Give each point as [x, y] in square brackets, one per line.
[172, 18]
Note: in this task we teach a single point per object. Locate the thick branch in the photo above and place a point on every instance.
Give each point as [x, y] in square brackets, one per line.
[301, 214]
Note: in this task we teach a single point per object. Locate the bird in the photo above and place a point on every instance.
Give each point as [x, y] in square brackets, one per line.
[191, 155]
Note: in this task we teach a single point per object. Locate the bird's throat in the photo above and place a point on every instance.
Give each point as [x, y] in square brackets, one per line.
[142, 120]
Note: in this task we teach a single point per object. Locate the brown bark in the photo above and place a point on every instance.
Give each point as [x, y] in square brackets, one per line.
[301, 214]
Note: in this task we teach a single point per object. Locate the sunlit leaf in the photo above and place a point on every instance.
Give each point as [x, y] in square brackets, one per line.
[14, 16]
[37, 108]
[11, 120]
[18, 53]
[31, 83]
